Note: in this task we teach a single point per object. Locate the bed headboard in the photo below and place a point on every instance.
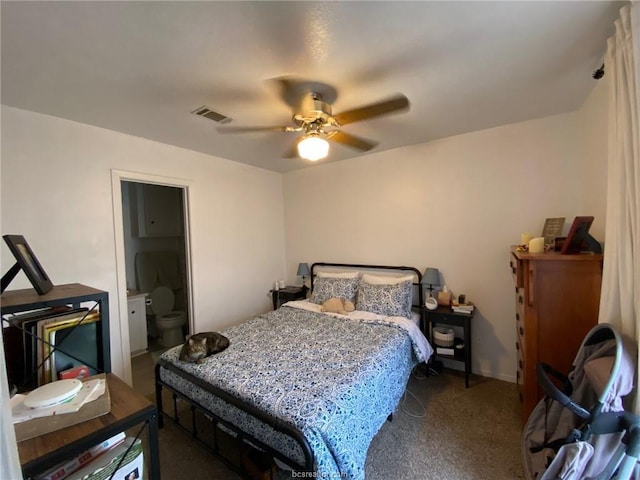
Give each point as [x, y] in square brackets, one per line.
[418, 294]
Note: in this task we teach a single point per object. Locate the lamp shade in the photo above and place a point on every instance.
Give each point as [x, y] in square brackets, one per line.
[313, 148]
[303, 270]
[431, 277]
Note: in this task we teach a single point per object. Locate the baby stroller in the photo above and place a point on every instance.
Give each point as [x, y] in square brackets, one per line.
[563, 439]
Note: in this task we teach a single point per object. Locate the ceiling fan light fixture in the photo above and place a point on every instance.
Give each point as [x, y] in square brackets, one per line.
[313, 148]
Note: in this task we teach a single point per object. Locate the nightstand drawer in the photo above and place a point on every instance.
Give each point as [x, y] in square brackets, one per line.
[448, 319]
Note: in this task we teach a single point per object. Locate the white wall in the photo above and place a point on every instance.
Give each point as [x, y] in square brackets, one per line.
[456, 204]
[56, 191]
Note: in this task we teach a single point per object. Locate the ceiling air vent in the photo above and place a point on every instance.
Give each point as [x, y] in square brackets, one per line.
[211, 115]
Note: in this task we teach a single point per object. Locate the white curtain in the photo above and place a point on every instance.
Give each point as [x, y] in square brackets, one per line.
[9, 461]
[620, 298]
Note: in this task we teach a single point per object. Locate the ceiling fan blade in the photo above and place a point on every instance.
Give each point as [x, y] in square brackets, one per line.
[394, 104]
[254, 129]
[292, 89]
[351, 140]
[291, 152]
[287, 89]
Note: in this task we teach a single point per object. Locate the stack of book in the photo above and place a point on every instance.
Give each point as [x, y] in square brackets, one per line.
[65, 469]
[462, 307]
[117, 458]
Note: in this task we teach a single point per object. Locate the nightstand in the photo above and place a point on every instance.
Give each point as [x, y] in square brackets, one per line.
[447, 317]
[287, 294]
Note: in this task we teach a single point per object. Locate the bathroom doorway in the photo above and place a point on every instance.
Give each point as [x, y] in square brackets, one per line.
[156, 265]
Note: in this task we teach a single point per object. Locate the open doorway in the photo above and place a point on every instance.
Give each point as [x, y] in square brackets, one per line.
[154, 266]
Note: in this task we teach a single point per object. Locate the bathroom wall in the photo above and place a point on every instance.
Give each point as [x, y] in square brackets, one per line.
[135, 243]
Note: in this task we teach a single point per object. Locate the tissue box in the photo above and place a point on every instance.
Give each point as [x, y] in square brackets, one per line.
[79, 372]
[444, 298]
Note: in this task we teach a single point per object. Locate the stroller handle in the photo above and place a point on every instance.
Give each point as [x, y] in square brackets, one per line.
[611, 422]
[543, 370]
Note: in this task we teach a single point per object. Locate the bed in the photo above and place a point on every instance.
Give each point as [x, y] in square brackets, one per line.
[311, 389]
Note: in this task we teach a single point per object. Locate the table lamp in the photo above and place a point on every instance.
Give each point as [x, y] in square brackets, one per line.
[431, 278]
[303, 271]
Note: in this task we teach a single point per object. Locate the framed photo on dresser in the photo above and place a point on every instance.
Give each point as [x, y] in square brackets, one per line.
[552, 229]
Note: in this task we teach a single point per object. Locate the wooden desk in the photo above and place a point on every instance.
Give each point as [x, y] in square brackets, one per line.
[128, 409]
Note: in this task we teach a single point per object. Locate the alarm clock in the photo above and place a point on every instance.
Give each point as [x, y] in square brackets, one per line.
[431, 303]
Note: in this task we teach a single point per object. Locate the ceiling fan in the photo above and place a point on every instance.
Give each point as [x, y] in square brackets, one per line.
[312, 116]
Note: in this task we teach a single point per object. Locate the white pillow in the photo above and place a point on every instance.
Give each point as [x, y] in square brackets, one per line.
[385, 279]
[385, 299]
[337, 274]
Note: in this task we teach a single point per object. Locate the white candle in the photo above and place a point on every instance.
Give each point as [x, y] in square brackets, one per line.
[536, 245]
[525, 238]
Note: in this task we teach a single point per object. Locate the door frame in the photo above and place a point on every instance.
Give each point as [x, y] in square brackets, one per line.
[117, 177]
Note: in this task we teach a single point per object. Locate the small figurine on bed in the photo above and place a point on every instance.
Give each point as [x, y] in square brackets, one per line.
[200, 345]
[338, 305]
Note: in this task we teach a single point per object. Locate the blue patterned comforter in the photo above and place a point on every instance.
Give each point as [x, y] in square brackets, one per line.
[333, 378]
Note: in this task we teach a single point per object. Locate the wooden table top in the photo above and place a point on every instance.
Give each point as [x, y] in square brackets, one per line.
[125, 403]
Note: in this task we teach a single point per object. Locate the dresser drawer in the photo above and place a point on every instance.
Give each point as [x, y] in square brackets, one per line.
[520, 313]
[521, 343]
[517, 270]
[520, 374]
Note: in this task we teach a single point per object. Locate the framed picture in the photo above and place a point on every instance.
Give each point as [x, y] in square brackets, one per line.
[552, 229]
[71, 343]
[28, 262]
[578, 239]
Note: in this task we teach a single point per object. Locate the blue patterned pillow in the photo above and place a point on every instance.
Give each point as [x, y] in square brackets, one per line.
[391, 300]
[325, 288]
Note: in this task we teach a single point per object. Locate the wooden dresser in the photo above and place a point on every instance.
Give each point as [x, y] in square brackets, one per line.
[557, 303]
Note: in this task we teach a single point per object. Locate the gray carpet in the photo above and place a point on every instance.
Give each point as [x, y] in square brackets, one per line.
[465, 434]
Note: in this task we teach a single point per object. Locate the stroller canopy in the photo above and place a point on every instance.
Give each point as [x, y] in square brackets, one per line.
[557, 441]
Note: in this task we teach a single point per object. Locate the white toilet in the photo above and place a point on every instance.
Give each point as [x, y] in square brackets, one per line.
[168, 322]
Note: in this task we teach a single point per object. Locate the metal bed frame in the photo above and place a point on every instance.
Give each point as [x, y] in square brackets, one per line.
[278, 425]
[241, 436]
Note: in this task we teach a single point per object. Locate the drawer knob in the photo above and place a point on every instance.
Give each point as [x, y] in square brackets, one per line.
[521, 330]
[517, 316]
[520, 363]
[520, 299]
[517, 345]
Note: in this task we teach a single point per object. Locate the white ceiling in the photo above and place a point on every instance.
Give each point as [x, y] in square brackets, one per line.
[142, 67]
